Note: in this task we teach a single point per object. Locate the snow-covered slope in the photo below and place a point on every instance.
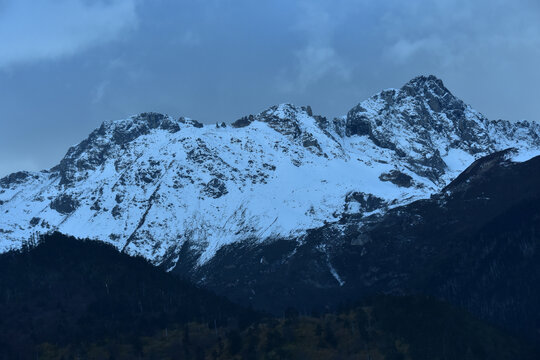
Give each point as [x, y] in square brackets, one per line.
[149, 183]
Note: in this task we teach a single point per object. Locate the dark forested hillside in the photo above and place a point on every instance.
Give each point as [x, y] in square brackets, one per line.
[74, 299]
[381, 328]
[67, 291]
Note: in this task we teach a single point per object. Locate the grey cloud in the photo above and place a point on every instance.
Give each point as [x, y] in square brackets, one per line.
[100, 91]
[313, 64]
[35, 30]
[317, 58]
[451, 31]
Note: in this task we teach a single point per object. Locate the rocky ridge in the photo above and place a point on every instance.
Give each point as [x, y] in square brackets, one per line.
[151, 184]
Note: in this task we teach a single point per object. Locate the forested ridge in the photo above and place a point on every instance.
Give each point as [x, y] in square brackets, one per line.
[75, 299]
[69, 291]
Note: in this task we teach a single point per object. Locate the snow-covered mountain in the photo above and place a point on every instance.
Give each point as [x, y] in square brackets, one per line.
[150, 183]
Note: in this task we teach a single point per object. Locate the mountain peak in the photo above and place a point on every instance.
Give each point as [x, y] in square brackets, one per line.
[421, 121]
[425, 79]
[93, 152]
[285, 113]
[423, 85]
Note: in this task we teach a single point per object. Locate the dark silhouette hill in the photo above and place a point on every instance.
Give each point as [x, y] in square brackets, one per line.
[65, 291]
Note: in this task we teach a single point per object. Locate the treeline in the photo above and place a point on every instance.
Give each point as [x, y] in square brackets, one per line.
[70, 299]
[390, 328]
[66, 291]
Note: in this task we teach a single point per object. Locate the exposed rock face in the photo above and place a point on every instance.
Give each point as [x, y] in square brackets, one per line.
[365, 203]
[64, 204]
[16, 178]
[215, 188]
[153, 185]
[243, 122]
[398, 178]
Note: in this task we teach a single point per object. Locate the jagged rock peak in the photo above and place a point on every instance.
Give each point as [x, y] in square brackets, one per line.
[92, 152]
[422, 83]
[284, 111]
[150, 120]
[278, 113]
[421, 121]
[16, 178]
[431, 91]
[423, 93]
[293, 121]
[290, 120]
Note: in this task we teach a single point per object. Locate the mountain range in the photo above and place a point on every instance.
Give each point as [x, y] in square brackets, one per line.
[151, 184]
[411, 192]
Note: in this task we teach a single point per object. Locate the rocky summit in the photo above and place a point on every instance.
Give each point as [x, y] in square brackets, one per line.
[153, 185]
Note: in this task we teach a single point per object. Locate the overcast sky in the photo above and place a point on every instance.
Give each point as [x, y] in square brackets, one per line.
[68, 65]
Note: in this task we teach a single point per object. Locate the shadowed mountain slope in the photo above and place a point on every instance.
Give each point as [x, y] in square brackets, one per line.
[475, 244]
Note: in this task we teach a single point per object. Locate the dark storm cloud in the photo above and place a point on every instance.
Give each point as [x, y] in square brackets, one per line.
[67, 65]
